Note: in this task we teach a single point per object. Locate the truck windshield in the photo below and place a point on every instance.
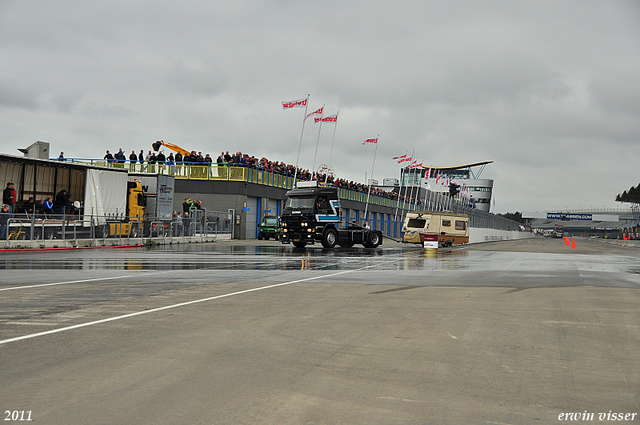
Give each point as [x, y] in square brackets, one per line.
[270, 222]
[300, 203]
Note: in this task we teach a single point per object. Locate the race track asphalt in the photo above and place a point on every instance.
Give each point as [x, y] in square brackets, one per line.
[254, 332]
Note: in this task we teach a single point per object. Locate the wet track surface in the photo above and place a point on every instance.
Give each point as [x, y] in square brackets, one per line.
[257, 332]
[273, 257]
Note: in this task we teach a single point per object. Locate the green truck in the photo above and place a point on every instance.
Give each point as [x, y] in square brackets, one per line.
[269, 228]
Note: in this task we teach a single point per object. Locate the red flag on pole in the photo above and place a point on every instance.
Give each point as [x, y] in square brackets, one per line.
[333, 119]
[300, 103]
[370, 141]
[316, 112]
[400, 157]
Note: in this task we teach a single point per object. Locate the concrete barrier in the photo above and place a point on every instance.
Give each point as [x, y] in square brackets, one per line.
[106, 243]
[480, 234]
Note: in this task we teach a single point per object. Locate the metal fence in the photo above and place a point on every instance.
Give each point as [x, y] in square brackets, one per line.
[227, 172]
[22, 226]
[428, 200]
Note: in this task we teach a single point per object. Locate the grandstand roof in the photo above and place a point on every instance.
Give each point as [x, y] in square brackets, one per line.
[475, 164]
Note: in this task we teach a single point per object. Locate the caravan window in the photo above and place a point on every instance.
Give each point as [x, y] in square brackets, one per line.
[446, 223]
[417, 223]
[461, 225]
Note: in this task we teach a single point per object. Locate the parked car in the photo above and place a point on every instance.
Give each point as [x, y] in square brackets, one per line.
[269, 228]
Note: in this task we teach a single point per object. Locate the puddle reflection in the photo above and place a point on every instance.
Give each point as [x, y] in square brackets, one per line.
[239, 257]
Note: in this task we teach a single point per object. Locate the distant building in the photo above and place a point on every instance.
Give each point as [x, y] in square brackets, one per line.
[467, 176]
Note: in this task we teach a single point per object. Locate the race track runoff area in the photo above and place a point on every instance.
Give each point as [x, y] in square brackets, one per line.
[254, 332]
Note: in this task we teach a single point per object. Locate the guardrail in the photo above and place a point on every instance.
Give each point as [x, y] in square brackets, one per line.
[228, 172]
[73, 227]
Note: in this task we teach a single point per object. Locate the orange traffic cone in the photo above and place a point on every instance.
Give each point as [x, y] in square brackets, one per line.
[566, 241]
[573, 244]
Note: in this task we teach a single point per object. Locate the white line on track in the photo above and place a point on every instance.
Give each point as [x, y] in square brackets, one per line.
[154, 310]
[40, 285]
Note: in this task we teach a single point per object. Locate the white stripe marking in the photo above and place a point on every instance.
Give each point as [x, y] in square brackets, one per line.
[67, 283]
[154, 310]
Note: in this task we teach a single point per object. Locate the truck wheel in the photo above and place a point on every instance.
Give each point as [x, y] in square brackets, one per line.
[260, 237]
[329, 238]
[299, 244]
[135, 231]
[373, 240]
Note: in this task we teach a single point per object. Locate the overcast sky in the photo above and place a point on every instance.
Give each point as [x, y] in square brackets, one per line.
[548, 90]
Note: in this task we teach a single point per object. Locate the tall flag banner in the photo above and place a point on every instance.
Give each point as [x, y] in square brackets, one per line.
[321, 113]
[333, 119]
[407, 158]
[373, 166]
[333, 139]
[316, 112]
[400, 157]
[300, 103]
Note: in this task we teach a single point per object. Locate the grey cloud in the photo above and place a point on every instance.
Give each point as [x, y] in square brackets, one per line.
[533, 86]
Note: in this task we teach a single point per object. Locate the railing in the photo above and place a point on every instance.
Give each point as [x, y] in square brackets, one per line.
[73, 227]
[228, 172]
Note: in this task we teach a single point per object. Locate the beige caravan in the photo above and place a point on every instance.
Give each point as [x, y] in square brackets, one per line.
[452, 229]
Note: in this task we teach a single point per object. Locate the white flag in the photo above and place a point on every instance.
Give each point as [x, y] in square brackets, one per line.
[300, 103]
[333, 119]
[317, 112]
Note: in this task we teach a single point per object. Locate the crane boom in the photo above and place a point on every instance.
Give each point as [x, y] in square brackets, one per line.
[176, 148]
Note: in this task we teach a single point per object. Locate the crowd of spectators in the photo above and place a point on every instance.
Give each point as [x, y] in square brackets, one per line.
[239, 159]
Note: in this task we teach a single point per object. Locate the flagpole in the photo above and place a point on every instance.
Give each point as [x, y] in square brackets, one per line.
[333, 139]
[313, 170]
[404, 200]
[412, 174]
[295, 174]
[406, 170]
[395, 218]
[366, 207]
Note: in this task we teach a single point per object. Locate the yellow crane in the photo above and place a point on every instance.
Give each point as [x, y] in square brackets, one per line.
[176, 148]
